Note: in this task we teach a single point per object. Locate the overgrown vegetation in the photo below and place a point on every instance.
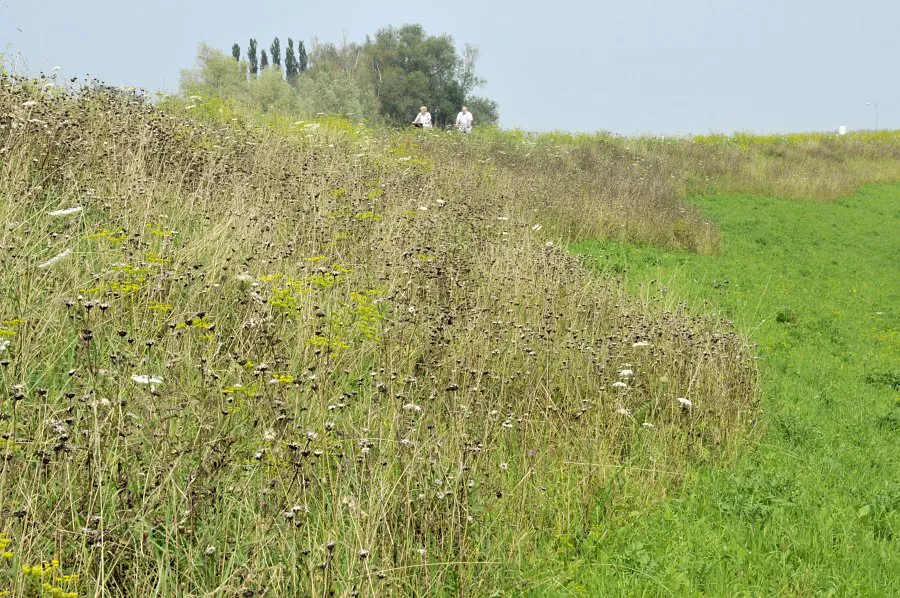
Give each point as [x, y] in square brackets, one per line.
[245, 354]
[251, 360]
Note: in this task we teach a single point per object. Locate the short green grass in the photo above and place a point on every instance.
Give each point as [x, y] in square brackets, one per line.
[812, 506]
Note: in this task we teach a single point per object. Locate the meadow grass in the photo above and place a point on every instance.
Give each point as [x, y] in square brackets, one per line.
[245, 355]
[813, 509]
[312, 358]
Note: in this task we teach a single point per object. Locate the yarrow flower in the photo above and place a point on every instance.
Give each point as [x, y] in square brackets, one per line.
[648, 425]
[623, 411]
[626, 373]
[684, 402]
[619, 384]
[412, 407]
[4, 345]
[67, 211]
[146, 379]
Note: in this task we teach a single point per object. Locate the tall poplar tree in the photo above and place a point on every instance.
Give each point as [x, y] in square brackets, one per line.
[263, 61]
[251, 58]
[276, 53]
[302, 58]
[236, 52]
[290, 63]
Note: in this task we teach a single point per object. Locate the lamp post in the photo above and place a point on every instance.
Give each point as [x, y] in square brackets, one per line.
[876, 112]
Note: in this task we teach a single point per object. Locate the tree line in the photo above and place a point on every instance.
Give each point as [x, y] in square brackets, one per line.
[386, 77]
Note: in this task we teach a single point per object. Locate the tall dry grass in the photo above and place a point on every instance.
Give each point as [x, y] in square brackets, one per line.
[320, 359]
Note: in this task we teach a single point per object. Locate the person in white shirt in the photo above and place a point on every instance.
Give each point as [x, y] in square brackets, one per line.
[464, 120]
[423, 118]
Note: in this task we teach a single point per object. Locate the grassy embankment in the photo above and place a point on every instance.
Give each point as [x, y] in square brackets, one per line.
[814, 507]
[309, 357]
[306, 358]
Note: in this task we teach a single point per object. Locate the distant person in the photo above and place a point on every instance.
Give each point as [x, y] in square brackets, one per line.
[464, 120]
[423, 118]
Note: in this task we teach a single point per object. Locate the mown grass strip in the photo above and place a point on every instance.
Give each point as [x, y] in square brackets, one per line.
[813, 508]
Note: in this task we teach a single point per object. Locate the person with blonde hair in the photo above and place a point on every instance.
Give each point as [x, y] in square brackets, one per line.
[423, 118]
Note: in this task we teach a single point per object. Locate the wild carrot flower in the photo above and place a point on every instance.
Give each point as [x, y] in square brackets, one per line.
[626, 373]
[66, 211]
[146, 379]
[619, 384]
[684, 402]
[55, 259]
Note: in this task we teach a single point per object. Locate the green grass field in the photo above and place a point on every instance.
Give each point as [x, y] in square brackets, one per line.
[812, 506]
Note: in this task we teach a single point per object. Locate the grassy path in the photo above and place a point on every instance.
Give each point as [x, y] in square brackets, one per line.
[813, 508]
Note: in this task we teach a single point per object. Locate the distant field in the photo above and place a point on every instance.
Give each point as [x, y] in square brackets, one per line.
[813, 508]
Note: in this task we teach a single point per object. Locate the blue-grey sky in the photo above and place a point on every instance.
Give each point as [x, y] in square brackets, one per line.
[642, 66]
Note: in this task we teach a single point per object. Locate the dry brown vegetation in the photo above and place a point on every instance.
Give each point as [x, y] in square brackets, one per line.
[322, 359]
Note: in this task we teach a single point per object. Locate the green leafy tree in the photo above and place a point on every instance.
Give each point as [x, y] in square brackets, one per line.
[290, 63]
[339, 81]
[336, 93]
[215, 76]
[270, 93]
[412, 68]
[236, 52]
[484, 110]
[251, 57]
[276, 53]
[263, 60]
[302, 58]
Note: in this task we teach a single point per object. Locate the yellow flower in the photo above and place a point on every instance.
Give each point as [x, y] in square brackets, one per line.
[7, 555]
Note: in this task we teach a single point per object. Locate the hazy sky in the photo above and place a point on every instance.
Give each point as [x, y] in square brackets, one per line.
[635, 66]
